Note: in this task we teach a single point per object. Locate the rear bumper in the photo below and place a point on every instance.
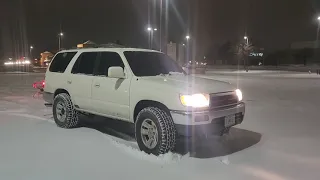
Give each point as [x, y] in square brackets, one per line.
[206, 122]
[48, 98]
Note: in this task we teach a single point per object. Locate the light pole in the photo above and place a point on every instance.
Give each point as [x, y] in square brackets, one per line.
[160, 40]
[318, 28]
[188, 38]
[60, 35]
[247, 39]
[149, 29]
[31, 47]
[150, 33]
[152, 36]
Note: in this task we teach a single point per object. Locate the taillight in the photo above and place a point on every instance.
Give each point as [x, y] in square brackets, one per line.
[39, 85]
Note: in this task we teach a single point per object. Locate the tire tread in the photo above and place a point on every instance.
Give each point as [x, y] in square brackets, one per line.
[168, 130]
[72, 119]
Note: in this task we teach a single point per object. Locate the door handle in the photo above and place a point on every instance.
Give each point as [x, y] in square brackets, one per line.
[69, 82]
[97, 85]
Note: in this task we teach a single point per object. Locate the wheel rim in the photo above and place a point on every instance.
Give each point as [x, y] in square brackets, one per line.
[149, 133]
[61, 111]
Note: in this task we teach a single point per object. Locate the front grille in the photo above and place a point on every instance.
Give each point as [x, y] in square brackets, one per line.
[220, 100]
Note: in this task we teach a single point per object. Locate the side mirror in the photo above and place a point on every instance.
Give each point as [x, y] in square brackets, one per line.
[116, 72]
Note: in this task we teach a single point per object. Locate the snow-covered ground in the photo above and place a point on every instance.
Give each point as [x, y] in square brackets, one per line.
[278, 140]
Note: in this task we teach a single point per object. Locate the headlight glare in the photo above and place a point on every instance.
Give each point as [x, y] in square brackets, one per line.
[195, 100]
[239, 94]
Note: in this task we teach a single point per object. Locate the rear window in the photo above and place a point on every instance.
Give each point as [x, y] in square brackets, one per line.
[61, 61]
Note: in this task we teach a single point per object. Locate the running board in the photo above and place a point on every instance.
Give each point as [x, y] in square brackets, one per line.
[48, 104]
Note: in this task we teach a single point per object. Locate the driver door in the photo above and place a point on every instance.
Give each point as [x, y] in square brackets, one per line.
[110, 96]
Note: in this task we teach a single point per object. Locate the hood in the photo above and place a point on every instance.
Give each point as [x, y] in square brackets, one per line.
[189, 84]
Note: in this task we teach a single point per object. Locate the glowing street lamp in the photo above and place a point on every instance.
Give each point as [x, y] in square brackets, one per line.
[31, 47]
[151, 30]
[246, 38]
[318, 28]
[188, 37]
[60, 39]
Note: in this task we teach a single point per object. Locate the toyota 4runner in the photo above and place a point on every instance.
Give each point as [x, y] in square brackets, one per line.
[143, 87]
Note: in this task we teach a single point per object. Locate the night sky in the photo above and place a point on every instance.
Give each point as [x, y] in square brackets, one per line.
[272, 24]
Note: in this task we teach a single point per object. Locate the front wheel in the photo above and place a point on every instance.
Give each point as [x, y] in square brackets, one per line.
[155, 131]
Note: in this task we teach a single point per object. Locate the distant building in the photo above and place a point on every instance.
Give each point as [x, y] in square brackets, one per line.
[90, 44]
[172, 50]
[46, 58]
[87, 44]
[181, 58]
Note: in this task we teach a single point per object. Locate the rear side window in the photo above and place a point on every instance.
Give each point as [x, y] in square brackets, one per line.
[85, 63]
[107, 60]
[61, 61]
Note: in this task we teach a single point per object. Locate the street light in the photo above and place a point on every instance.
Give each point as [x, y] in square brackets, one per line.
[318, 28]
[60, 40]
[151, 30]
[247, 39]
[187, 37]
[31, 47]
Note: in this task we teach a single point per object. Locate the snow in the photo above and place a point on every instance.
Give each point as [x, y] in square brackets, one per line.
[278, 140]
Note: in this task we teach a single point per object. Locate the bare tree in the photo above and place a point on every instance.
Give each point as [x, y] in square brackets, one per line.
[243, 51]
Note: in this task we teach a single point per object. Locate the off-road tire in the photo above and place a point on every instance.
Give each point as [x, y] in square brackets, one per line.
[72, 119]
[165, 126]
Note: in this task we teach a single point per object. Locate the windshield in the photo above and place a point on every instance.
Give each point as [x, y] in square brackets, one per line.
[151, 63]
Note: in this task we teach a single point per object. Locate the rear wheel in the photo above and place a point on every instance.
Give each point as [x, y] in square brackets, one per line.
[64, 113]
[155, 131]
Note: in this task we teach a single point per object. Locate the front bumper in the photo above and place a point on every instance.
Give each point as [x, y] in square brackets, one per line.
[206, 122]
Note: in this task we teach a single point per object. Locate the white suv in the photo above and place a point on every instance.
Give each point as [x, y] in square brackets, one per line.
[143, 87]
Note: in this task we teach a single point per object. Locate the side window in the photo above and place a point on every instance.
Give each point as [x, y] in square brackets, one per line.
[85, 63]
[61, 61]
[108, 59]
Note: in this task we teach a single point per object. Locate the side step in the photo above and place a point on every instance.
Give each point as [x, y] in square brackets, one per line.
[48, 104]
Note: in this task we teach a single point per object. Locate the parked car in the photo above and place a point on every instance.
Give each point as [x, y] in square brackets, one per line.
[143, 87]
[193, 67]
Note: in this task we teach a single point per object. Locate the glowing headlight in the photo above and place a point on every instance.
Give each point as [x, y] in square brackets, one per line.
[195, 100]
[239, 94]
[8, 63]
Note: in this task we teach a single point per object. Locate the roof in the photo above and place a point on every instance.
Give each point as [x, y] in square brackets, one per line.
[109, 49]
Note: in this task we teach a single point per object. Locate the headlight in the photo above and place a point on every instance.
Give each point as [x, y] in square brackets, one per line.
[239, 94]
[195, 100]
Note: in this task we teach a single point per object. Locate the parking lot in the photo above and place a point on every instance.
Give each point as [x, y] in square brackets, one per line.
[278, 140]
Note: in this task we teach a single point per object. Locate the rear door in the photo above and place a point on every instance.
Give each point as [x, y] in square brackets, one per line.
[80, 80]
[110, 96]
[55, 72]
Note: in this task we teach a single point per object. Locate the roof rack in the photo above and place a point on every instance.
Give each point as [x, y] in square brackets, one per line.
[111, 45]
